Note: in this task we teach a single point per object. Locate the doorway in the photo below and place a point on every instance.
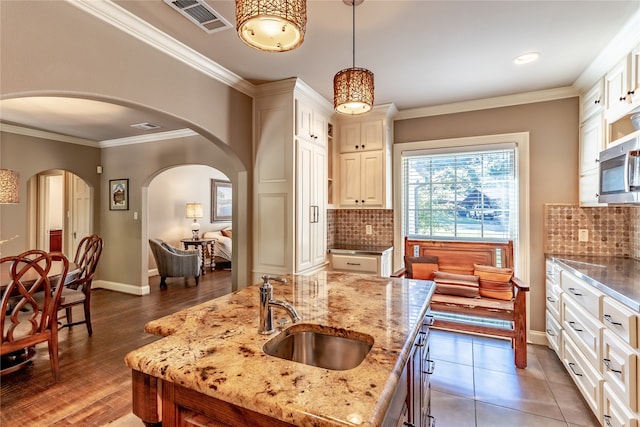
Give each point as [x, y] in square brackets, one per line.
[60, 211]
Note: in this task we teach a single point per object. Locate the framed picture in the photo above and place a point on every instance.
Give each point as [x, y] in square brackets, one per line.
[119, 194]
[220, 200]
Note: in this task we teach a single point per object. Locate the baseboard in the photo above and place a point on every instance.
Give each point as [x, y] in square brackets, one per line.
[538, 337]
[121, 287]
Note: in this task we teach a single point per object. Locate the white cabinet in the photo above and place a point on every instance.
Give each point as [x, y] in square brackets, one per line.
[311, 125]
[598, 339]
[591, 143]
[361, 179]
[362, 136]
[622, 86]
[311, 233]
[380, 265]
[290, 178]
[592, 102]
[365, 159]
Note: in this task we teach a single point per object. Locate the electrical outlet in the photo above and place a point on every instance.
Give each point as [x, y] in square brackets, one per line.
[368, 229]
[583, 235]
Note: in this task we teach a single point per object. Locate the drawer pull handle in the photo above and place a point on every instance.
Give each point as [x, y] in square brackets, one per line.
[607, 363]
[550, 299]
[550, 332]
[609, 319]
[573, 326]
[607, 420]
[571, 365]
[575, 292]
[353, 263]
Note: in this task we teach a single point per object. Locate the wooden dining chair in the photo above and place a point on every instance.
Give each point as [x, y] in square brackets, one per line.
[78, 290]
[29, 303]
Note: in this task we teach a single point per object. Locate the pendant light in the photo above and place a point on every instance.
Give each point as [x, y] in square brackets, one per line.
[353, 87]
[271, 25]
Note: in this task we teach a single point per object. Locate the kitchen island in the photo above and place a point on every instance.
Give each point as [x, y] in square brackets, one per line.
[212, 358]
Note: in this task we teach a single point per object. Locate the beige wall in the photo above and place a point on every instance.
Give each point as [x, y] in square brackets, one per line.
[553, 145]
[55, 49]
[30, 156]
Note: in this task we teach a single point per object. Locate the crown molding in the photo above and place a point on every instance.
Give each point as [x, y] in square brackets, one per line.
[19, 130]
[627, 38]
[127, 22]
[488, 103]
[160, 136]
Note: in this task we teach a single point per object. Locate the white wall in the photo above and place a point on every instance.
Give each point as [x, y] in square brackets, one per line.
[169, 193]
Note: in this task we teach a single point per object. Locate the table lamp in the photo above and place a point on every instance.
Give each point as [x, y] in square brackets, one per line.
[194, 210]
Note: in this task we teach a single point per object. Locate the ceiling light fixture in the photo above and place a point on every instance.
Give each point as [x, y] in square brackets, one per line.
[526, 58]
[353, 87]
[271, 25]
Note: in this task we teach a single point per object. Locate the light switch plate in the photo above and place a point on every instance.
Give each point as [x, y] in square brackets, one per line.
[368, 229]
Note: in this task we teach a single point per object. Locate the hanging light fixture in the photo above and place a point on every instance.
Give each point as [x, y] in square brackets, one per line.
[353, 87]
[272, 25]
[9, 186]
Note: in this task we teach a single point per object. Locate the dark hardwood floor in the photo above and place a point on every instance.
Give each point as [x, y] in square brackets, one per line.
[95, 384]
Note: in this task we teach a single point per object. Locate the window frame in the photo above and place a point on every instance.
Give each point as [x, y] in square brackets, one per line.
[520, 139]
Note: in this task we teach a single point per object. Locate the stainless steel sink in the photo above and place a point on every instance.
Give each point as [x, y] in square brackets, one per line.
[321, 346]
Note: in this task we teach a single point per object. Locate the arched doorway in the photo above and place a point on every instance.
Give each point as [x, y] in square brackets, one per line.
[60, 210]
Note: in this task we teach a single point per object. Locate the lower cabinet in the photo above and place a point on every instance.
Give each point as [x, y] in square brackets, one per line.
[379, 265]
[596, 337]
[411, 404]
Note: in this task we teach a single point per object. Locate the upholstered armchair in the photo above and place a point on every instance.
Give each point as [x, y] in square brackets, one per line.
[173, 262]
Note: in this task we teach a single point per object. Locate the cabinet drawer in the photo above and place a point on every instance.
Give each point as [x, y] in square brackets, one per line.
[553, 332]
[553, 300]
[553, 272]
[587, 379]
[621, 320]
[584, 330]
[614, 412]
[360, 263]
[584, 294]
[619, 368]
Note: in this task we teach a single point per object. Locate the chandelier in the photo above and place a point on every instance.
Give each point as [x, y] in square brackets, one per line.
[353, 87]
[271, 25]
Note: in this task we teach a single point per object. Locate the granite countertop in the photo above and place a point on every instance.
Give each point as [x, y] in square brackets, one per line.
[358, 249]
[617, 277]
[215, 349]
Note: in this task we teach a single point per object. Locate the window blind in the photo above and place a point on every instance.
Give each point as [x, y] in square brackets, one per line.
[466, 195]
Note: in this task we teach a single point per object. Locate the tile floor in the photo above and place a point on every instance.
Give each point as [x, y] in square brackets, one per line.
[475, 384]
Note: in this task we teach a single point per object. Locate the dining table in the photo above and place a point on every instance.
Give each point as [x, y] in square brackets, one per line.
[14, 361]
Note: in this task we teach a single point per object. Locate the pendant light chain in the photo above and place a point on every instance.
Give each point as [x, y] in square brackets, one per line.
[353, 32]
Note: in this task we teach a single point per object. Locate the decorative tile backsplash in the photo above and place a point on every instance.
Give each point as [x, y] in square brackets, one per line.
[611, 230]
[348, 226]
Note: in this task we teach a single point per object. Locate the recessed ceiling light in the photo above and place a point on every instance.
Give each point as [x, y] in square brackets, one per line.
[527, 58]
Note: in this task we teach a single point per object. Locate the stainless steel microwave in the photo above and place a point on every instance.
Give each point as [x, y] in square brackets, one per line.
[620, 172]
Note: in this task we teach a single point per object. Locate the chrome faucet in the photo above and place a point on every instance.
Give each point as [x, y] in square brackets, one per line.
[267, 302]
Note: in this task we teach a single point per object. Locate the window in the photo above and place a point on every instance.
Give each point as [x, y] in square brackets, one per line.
[467, 193]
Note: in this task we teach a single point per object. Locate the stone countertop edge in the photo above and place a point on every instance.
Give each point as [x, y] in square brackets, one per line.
[215, 349]
[617, 277]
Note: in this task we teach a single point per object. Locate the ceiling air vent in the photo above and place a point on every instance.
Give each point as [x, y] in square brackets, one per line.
[145, 126]
[201, 14]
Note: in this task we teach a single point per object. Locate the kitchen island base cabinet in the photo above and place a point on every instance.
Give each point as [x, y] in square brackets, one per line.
[183, 407]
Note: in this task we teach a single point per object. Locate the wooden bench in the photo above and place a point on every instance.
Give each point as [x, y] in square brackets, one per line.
[460, 257]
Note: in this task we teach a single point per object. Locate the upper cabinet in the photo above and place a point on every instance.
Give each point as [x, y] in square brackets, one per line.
[592, 102]
[362, 136]
[311, 125]
[365, 159]
[622, 87]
